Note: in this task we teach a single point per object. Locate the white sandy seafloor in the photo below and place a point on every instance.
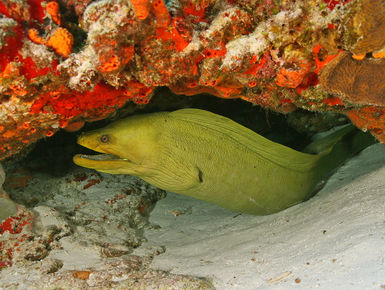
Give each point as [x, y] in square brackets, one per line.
[336, 240]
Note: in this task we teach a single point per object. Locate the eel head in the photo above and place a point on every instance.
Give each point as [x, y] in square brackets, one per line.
[125, 146]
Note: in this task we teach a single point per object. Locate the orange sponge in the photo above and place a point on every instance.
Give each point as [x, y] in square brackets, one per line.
[61, 41]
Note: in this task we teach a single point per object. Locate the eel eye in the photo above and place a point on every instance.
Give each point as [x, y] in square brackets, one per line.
[105, 138]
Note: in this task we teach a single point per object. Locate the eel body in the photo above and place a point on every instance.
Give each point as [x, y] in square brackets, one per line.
[212, 158]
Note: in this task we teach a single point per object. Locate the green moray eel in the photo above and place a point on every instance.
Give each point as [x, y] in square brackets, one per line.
[212, 158]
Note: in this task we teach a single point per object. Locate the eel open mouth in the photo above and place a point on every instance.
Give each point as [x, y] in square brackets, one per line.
[102, 162]
[100, 157]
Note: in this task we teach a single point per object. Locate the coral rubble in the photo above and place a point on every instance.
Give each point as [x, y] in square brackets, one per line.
[107, 212]
[79, 232]
[67, 62]
[7, 206]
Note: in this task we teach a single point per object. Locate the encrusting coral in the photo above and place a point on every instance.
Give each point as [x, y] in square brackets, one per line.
[65, 63]
[357, 81]
[371, 28]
